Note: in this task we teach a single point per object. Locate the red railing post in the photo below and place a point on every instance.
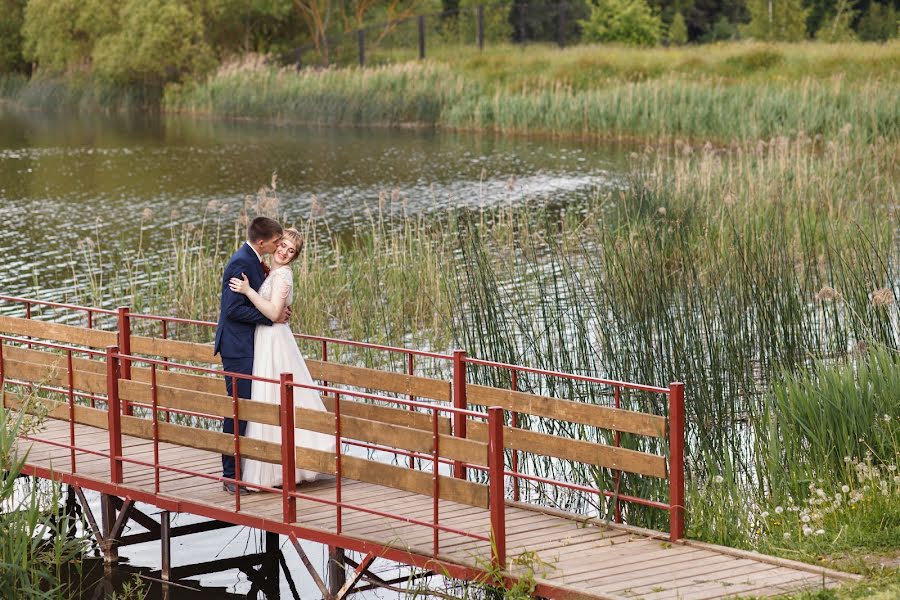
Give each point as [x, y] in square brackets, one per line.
[459, 402]
[618, 473]
[125, 348]
[288, 450]
[28, 316]
[514, 423]
[154, 400]
[114, 414]
[497, 487]
[409, 371]
[676, 461]
[338, 469]
[435, 478]
[71, 395]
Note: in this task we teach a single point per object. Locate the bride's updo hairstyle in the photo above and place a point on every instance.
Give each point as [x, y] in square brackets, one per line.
[292, 234]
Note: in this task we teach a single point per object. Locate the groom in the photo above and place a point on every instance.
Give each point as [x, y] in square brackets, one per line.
[238, 319]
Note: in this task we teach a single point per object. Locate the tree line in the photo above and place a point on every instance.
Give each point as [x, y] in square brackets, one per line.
[155, 42]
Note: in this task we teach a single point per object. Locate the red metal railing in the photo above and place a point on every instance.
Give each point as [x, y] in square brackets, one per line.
[459, 361]
[675, 393]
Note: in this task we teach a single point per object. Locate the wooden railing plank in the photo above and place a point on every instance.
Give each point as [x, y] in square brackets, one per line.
[393, 476]
[174, 349]
[54, 375]
[217, 405]
[591, 453]
[565, 410]
[57, 410]
[399, 383]
[386, 414]
[57, 332]
[49, 357]
[394, 436]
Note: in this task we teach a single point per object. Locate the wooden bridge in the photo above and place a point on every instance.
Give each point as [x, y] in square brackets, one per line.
[420, 476]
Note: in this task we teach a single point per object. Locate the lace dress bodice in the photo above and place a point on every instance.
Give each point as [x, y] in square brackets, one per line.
[281, 281]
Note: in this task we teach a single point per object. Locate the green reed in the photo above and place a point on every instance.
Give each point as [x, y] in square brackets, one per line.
[731, 92]
[34, 547]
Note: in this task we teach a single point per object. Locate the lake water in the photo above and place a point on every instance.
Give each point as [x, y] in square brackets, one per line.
[124, 181]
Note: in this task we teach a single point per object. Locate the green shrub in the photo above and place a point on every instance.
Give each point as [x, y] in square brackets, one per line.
[678, 34]
[629, 22]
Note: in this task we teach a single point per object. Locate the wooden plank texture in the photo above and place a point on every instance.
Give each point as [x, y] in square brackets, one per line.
[57, 332]
[603, 417]
[577, 450]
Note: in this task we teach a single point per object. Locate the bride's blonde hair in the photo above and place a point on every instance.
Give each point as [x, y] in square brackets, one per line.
[292, 234]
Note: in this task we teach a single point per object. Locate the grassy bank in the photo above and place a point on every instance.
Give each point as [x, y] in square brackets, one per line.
[740, 91]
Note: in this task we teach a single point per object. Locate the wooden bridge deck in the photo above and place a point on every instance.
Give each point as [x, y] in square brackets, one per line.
[583, 559]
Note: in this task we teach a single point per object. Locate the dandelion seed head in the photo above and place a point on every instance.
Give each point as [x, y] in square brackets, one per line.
[805, 518]
[719, 479]
[845, 488]
[820, 532]
[779, 510]
[807, 530]
[787, 536]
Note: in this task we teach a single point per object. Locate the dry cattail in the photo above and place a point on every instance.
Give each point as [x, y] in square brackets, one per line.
[882, 297]
[147, 214]
[827, 293]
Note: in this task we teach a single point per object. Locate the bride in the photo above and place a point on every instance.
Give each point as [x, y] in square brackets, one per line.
[276, 352]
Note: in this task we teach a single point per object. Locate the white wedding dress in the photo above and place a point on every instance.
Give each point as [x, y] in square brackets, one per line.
[276, 352]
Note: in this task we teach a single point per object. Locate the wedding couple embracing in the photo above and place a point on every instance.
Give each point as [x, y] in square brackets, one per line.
[253, 338]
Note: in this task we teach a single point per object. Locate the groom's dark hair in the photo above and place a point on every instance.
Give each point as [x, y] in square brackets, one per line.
[263, 228]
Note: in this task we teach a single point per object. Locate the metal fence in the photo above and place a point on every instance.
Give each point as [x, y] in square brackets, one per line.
[476, 26]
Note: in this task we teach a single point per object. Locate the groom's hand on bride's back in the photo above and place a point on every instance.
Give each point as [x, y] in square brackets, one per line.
[285, 315]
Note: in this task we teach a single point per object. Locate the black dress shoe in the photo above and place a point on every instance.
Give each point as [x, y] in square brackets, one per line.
[229, 487]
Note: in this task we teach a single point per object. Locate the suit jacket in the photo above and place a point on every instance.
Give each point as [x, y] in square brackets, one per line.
[238, 317]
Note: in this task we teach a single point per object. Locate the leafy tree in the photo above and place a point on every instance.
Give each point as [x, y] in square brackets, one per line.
[678, 34]
[878, 24]
[837, 27]
[159, 41]
[776, 20]
[622, 21]
[240, 26]
[11, 17]
[60, 34]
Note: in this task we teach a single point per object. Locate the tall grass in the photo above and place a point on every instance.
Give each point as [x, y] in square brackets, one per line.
[77, 93]
[34, 550]
[744, 92]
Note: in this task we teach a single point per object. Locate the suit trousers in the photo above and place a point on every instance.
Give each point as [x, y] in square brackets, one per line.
[243, 365]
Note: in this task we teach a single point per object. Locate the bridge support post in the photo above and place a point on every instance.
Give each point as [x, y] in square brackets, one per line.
[165, 543]
[108, 520]
[270, 566]
[337, 570]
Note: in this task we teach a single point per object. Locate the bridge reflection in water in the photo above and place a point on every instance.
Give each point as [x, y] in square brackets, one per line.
[439, 487]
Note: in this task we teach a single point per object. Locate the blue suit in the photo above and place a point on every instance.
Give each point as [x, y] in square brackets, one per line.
[238, 319]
